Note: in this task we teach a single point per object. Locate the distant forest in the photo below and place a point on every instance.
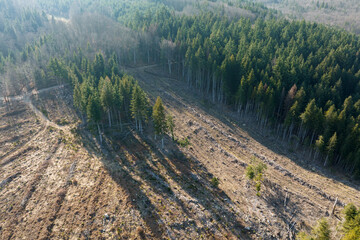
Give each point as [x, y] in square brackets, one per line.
[300, 78]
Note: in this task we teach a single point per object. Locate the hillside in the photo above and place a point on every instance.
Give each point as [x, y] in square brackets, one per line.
[178, 119]
[64, 184]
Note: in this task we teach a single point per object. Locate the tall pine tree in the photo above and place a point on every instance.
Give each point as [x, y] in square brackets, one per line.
[159, 118]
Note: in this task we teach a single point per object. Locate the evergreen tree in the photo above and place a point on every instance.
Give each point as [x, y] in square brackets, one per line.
[171, 125]
[320, 232]
[139, 107]
[331, 146]
[99, 66]
[107, 96]
[320, 144]
[94, 112]
[312, 116]
[159, 118]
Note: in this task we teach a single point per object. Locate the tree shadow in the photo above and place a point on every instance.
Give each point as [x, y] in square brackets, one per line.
[302, 156]
[178, 93]
[118, 168]
[195, 180]
[286, 209]
[139, 155]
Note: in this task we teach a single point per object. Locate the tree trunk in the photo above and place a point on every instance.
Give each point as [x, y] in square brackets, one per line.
[183, 68]
[98, 126]
[333, 208]
[214, 87]
[326, 161]
[169, 63]
[82, 117]
[121, 129]
[188, 77]
[109, 116]
[148, 56]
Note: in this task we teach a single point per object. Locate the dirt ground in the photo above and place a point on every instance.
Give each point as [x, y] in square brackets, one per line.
[57, 182]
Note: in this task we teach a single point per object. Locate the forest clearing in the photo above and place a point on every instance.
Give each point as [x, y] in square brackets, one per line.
[179, 119]
[131, 188]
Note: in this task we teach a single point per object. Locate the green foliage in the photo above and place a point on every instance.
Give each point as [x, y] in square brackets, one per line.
[107, 94]
[99, 66]
[93, 108]
[171, 125]
[215, 182]
[112, 99]
[139, 106]
[58, 69]
[351, 225]
[320, 144]
[289, 72]
[312, 115]
[159, 117]
[183, 142]
[259, 66]
[255, 172]
[320, 232]
[250, 173]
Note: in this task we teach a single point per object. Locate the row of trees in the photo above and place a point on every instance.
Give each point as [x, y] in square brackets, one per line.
[111, 101]
[291, 74]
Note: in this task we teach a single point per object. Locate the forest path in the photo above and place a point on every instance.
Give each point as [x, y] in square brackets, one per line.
[41, 180]
[296, 191]
[26, 97]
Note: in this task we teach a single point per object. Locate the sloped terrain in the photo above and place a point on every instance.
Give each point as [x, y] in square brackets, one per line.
[342, 13]
[59, 183]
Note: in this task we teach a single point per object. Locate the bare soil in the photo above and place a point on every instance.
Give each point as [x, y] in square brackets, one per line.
[58, 182]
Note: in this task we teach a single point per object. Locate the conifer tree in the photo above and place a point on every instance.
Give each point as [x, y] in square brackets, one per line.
[107, 96]
[331, 146]
[320, 144]
[139, 107]
[320, 232]
[99, 66]
[93, 110]
[312, 116]
[159, 119]
[171, 125]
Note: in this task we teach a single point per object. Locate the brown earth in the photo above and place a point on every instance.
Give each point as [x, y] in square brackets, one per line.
[57, 182]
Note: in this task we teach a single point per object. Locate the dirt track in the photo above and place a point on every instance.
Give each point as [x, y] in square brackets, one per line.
[61, 184]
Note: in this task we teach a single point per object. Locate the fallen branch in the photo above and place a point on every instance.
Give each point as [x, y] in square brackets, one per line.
[8, 180]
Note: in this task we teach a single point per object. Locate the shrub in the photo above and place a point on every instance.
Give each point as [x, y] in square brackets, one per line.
[255, 172]
[215, 182]
[250, 173]
[183, 142]
[351, 225]
[320, 232]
